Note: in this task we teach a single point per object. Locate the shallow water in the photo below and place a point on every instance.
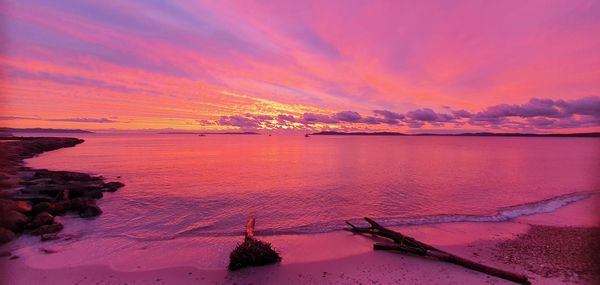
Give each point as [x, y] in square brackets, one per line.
[186, 185]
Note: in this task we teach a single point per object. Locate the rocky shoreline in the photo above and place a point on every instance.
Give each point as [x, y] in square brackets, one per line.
[32, 200]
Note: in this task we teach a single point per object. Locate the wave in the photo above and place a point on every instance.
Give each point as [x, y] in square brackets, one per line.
[502, 215]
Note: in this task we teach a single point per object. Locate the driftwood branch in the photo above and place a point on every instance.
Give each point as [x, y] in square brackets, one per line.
[406, 244]
[250, 227]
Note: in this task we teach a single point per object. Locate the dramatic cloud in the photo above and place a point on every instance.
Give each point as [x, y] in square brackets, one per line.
[348, 116]
[238, 121]
[542, 114]
[218, 65]
[310, 118]
[535, 114]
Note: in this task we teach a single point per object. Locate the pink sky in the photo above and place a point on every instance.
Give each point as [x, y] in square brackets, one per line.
[354, 65]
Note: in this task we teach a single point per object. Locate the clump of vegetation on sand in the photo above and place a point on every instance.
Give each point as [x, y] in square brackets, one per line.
[252, 252]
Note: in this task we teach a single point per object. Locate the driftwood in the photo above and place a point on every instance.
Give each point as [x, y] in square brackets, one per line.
[252, 252]
[406, 244]
[250, 227]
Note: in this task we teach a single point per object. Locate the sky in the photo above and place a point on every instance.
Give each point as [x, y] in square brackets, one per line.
[409, 66]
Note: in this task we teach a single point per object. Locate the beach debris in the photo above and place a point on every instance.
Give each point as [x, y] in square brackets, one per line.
[252, 252]
[48, 250]
[405, 244]
[49, 236]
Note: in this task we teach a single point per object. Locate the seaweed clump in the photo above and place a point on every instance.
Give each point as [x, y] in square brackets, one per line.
[252, 252]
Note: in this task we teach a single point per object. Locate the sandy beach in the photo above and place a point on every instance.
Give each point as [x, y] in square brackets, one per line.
[344, 258]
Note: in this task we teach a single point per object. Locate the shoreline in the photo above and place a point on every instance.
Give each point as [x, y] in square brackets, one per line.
[332, 258]
[33, 200]
[324, 258]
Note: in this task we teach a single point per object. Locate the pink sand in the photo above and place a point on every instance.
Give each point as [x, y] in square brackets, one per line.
[333, 258]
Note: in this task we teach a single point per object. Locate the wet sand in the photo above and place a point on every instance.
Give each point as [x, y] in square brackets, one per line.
[343, 258]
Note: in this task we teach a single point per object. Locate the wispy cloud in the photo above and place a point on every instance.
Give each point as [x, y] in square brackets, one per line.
[302, 63]
[76, 120]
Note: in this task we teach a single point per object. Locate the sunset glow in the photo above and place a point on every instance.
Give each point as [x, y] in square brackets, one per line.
[215, 65]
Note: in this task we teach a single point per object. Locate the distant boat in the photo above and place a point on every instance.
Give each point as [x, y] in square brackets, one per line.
[201, 135]
[306, 136]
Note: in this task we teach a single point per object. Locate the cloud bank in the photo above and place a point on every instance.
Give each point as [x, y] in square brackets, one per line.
[536, 114]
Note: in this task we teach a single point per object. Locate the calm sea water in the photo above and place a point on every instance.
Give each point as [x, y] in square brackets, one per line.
[187, 185]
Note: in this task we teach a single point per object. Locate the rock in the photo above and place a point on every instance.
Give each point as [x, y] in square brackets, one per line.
[26, 174]
[78, 176]
[51, 236]
[23, 206]
[34, 198]
[13, 220]
[96, 194]
[90, 211]
[113, 186]
[76, 193]
[76, 204]
[47, 229]
[52, 208]
[42, 207]
[41, 219]
[40, 181]
[6, 235]
[54, 191]
[20, 206]
[85, 186]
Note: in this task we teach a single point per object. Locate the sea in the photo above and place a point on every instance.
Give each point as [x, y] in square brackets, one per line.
[180, 186]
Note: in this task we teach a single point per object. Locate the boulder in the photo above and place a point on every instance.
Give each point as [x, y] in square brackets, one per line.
[13, 220]
[52, 208]
[47, 229]
[42, 207]
[76, 204]
[95, 194]
[20, 206]
[23, 206]
[41, 219]
[113, 186]
[76, 193]
[34, 198]
[90, 211]
[6, 235]
[78, 176]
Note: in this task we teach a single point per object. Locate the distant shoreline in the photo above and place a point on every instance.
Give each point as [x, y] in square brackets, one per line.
[7, 132]
[480, 134]
[44, 130]
[208, 133]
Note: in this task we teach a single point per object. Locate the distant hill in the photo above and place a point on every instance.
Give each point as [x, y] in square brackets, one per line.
[479, 134]
[334, 133]
[42, 130]
[209, 133]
